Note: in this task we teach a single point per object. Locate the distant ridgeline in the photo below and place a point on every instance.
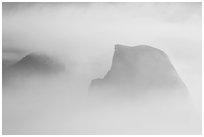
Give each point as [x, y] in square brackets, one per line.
[38, 63]
[138, 70]
[32, 64]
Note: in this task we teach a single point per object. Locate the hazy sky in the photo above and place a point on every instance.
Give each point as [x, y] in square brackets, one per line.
[87, 32]
[83, 35]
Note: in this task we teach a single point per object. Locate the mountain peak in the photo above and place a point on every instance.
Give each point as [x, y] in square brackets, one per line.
[138, 47]
[39, 63]
[118, 46]
[140, 68]
[36, 59]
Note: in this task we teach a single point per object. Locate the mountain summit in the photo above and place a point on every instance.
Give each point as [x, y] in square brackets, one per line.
[37, 63]
[32, 65]
[138, 69]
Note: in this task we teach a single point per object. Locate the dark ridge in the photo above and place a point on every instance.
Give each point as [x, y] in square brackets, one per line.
[38, 63]
[33, 64]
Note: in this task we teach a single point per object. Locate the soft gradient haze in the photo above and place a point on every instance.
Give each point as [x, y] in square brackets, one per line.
[83, 35]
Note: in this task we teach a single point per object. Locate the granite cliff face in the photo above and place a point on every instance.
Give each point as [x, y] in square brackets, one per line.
[138, 69]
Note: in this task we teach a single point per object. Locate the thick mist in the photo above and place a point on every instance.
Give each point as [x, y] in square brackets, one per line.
[81, 37]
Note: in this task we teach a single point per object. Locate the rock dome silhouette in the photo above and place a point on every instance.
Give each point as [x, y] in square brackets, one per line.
[139, 69]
